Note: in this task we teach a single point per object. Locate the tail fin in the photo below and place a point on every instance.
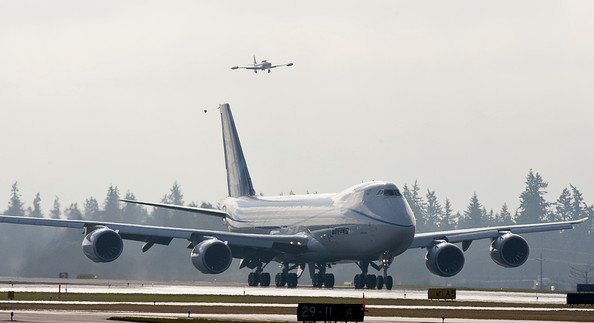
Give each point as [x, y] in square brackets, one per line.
[255, 62]
[239, 182]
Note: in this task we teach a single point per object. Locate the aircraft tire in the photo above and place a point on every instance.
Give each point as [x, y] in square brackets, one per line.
[292, 280]
[265, 279]
[280, 280]
[317, 280]
[380, 282]
[389, 282]
[370, 281]
[359, 281]
[253, 279]
[329, 280]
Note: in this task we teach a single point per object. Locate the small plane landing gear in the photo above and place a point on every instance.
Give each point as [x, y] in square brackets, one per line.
[319, 277]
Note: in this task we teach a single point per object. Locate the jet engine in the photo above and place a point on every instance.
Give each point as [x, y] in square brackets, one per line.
[444, 259]
[102, 245]
[509, 250]
[211, 256]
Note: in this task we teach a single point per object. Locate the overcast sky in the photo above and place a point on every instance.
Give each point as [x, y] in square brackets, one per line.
[463, 96]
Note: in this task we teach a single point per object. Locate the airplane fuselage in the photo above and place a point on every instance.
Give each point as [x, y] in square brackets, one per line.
[359, 223]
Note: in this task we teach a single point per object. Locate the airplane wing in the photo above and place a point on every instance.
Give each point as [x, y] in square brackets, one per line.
[289, 64]
[292, 243]
[211, 212]
[248, 67]
[425, 240]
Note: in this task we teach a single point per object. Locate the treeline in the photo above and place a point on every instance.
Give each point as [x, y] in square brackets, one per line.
[109, 210]
[433, 215]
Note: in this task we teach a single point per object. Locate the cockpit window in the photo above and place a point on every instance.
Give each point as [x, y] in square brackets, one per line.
[392, 192]
[380, 192]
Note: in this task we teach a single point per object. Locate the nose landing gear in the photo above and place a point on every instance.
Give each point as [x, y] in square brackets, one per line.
[370, 281]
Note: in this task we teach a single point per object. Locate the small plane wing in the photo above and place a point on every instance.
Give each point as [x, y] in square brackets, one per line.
[211, 212]
[248, 67]
[291, 243]
[289, 64]
[424, 240]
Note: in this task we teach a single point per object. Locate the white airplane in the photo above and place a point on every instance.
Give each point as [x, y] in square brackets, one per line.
[368, 224]
[262, 66]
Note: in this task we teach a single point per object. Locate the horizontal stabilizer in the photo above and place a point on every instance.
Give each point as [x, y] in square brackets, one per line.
[211, 212]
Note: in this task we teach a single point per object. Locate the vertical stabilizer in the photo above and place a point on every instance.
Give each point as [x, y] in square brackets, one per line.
[239, 182]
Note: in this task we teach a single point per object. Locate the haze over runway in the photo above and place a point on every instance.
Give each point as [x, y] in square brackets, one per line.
[461, 96]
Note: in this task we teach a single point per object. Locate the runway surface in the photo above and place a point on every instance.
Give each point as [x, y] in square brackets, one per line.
[158, 288]
[113, 287]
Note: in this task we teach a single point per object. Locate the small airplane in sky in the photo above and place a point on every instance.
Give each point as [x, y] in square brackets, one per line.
[262, 66]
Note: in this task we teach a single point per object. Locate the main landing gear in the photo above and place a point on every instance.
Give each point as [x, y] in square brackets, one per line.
[258, 277]
[319, 277]
[286, 278]
[370, 281]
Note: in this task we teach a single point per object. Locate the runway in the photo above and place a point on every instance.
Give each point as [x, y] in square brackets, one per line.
[68, 311]
[157, 288]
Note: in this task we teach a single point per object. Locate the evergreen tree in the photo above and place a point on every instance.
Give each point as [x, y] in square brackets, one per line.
[132, 212]
[36, 211]
[55, 211]
[15, 205]
[91, 209]
[449, 219]
[111, 206]
[504, 217]
[474, 216]
[435, 216]
[563, 207]
[533, 206]
[578, 206]
[175, 195]
[73, 213]
[417, 205]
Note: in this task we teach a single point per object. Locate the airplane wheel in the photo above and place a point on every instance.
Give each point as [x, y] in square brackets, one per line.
[280, 280]
[359, 281]
[389, 283]
[380, 282]
[292, 280]
[265, 279]
[329, 280]
[370, 281]
[317, 280]
[253, 279]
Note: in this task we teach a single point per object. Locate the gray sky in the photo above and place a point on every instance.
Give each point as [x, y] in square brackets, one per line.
[462, 95]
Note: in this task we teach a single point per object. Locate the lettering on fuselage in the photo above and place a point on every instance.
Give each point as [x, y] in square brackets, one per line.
[340, 231]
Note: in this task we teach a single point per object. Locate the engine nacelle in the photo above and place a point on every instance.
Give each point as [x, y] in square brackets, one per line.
[509, 250]
[211, 256]
[444, 259]
[103, 245]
